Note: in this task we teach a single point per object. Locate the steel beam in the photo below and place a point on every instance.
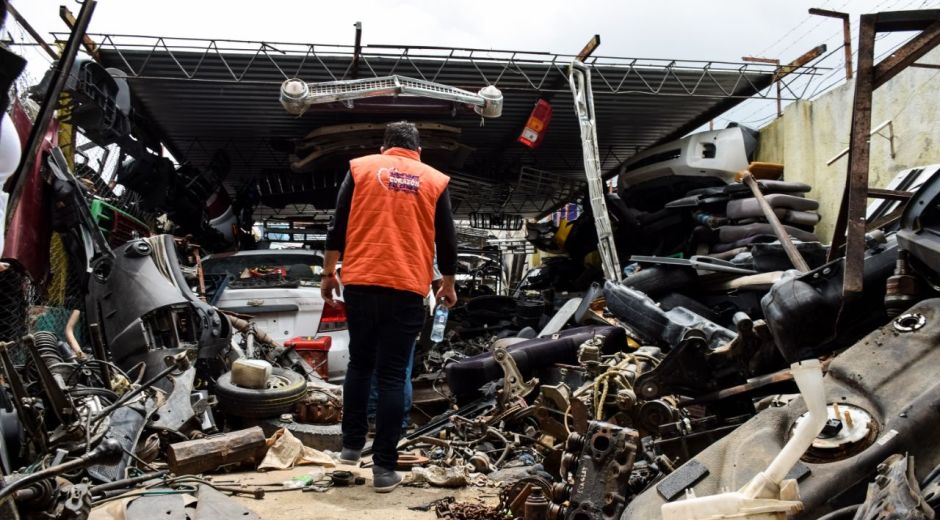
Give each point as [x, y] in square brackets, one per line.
[850, 225]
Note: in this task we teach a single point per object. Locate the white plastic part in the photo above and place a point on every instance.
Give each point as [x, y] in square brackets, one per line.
[767, 496]
[251, 373]
[809, 379]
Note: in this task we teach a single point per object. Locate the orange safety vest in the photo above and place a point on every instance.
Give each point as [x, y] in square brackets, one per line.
[390, 232]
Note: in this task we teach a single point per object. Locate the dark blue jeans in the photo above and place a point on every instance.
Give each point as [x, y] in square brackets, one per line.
[383, 324]
[407, 395]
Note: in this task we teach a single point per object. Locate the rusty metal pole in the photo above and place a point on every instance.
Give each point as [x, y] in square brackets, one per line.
[856, 190]
[846, 34]
[777, 77]
[49, 105]
[792, 252]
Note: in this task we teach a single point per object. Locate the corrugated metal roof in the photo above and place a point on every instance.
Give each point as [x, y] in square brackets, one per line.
[205, 94]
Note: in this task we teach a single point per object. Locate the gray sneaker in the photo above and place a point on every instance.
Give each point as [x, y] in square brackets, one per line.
[350, 456]
[384, 480]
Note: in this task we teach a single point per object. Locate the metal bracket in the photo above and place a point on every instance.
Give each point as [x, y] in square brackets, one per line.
[514, 385]
[877, 131]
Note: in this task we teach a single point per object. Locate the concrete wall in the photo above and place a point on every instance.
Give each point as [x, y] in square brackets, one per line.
[812, 132]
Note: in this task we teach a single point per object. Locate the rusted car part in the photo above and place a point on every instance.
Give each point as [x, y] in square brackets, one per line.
[210, 453]
[515, 387]
[434, 426]
[65, 406]
[121, 486]
[895, 493]
[597, 467]
[144, 308]
[108, 451]
[56, 498]
[320, 406]
[466, 376]
[903, 288]
[887, 379]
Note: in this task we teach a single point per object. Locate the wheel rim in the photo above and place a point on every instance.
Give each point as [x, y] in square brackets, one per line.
[276, 382]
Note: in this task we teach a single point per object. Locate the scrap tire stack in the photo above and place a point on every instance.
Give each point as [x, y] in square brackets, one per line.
[260, 403]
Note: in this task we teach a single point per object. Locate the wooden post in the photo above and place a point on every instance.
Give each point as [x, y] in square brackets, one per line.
[210, 453]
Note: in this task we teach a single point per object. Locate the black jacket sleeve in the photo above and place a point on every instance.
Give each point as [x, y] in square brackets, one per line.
[336, 231]
[445, 236]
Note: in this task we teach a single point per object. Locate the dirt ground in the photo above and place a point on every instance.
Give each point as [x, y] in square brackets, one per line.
[346, 503]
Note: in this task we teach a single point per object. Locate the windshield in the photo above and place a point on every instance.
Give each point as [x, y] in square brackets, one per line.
[274, 269]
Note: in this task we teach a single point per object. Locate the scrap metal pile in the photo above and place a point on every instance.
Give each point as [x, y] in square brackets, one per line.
[678, 381]
[161, 393]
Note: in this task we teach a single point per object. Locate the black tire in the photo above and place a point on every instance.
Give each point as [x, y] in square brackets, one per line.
[261, 403]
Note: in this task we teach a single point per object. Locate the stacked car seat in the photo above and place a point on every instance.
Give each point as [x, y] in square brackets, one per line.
[747, 223]
[729, 217]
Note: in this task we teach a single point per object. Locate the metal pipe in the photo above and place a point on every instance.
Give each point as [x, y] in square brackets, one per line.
[41, 124]
[127, 482]
[357, 50]
[874, 131]
[846, 34]
[792, 253]
[108, 450]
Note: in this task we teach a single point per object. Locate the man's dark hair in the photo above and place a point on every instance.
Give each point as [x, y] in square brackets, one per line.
[402, 134]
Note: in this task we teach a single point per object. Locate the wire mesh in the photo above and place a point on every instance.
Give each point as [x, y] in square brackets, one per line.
[46, 304]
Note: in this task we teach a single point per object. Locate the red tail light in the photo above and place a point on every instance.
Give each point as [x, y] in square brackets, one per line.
[333, 318]
[537, 125]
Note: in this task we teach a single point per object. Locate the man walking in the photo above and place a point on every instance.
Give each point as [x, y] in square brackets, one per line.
[391, 211]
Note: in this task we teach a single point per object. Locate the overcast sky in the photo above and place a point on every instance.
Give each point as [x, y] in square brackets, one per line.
[722, 30]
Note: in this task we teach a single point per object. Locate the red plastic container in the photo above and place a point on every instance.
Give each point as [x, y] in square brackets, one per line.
[315, 351]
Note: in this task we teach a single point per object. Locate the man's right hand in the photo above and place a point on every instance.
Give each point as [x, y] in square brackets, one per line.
[447, 294]
[327, 287]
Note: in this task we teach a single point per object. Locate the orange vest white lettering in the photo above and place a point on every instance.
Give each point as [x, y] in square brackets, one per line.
[390, 232]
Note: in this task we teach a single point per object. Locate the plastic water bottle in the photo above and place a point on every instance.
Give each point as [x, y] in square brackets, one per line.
[440, 323]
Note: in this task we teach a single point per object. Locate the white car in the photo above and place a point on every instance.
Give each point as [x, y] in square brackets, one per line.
[281, 289]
